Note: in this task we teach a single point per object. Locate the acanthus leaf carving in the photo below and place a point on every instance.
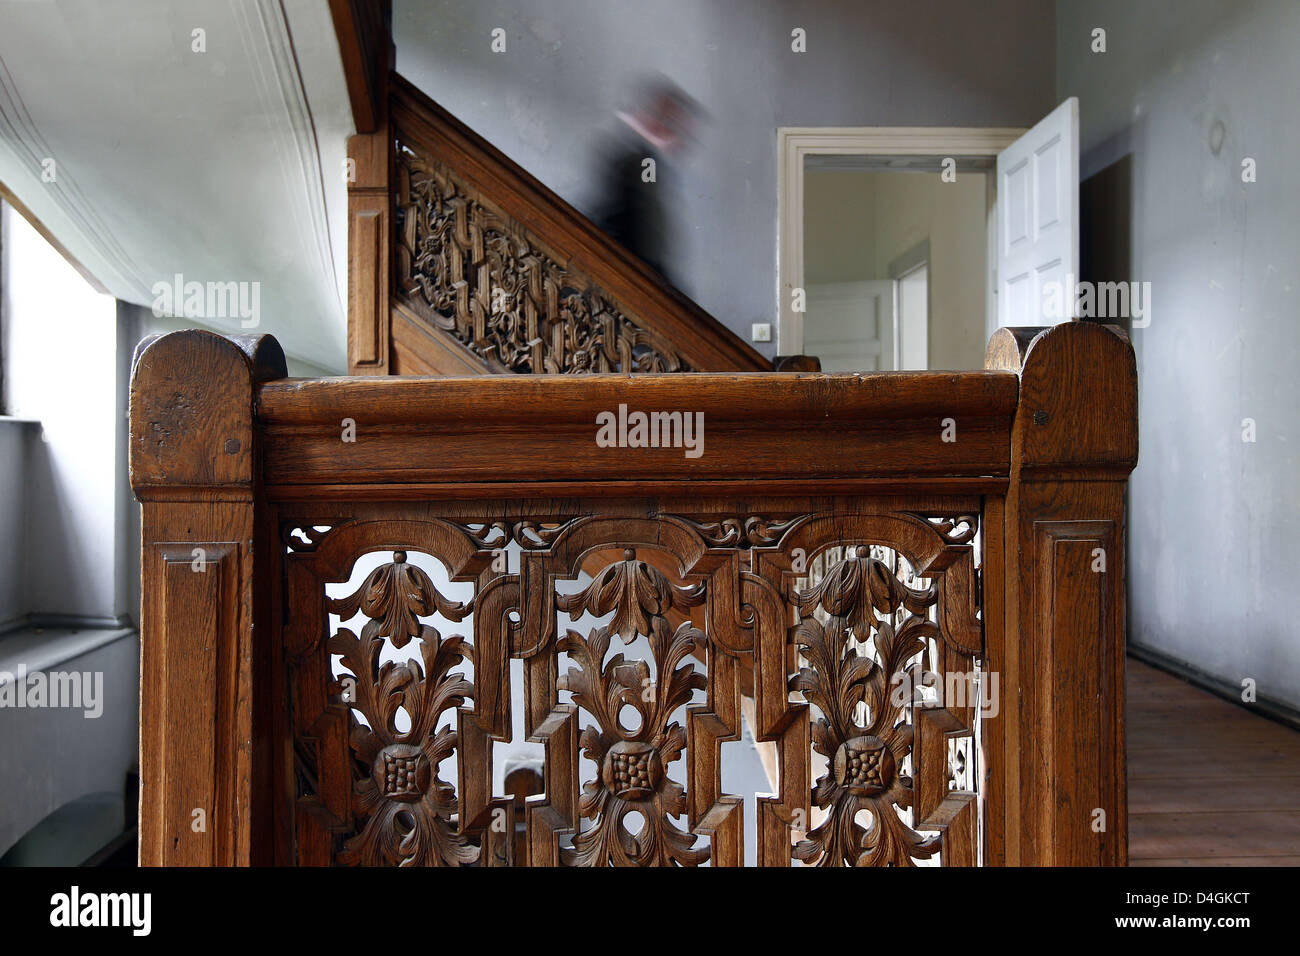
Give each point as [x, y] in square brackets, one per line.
[633, 762]
[393, 597]
[406, 807]
[636, 592]
[865, 755]
[857, 627]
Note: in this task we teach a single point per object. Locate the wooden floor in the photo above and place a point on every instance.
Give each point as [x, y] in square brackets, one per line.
[1209, 783]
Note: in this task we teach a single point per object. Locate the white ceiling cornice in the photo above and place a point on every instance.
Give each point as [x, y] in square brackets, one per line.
[29, 177]
[269, 47]
[222, 166]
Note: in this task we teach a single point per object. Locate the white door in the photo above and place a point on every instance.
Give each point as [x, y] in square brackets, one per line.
[1038, 221]
[850, 325]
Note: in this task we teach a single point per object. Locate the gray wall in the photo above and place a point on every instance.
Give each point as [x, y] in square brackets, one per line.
[1184, 92]
[13, 511]
[52, 755]
[69, 530]
[546, 101]
[62, 369]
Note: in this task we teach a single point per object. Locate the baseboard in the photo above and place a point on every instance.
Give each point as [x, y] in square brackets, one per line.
[1274, 710]
[120, 853]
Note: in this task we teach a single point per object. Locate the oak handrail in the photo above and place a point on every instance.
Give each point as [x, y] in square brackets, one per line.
[227, 454]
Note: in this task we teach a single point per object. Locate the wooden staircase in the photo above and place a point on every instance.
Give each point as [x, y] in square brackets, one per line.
[462, 263]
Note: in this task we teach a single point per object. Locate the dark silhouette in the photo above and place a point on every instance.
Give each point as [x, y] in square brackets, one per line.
[632, 203]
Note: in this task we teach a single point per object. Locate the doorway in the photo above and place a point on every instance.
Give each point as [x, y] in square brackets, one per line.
[1030, 255]
[910, 276]
[916, 229]
[891, 235]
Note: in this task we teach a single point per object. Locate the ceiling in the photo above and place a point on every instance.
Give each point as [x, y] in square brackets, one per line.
[225, 165]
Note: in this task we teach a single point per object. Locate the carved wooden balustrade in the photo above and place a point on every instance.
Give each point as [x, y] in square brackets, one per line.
[462, 263]
[359, 593]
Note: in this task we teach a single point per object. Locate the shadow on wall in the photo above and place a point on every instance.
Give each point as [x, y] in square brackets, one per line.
[1187, 157]
[1106, 227]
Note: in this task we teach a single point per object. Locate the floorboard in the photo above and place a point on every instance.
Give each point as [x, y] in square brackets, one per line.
[1210, 784]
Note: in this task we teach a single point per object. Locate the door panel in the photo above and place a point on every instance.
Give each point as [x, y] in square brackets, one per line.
[850, 325]
[1038, 218]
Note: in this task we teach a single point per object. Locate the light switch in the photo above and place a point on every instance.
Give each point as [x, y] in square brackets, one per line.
[761, 332]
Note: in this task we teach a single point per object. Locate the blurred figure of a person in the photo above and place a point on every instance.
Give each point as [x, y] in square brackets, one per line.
[632, 205]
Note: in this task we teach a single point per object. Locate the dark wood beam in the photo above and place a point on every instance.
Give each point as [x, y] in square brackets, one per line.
[364, 31]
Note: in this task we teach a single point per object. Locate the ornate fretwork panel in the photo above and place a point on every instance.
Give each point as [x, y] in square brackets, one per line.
[404, 808]
[864, 732]
[477, 275]
[618, 662]
[633, 760]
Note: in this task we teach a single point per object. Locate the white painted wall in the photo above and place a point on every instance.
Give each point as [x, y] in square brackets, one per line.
[1187, 90]
[913, 207]
[914, 319]
[60, 364]
[51, 756]
[223, 165]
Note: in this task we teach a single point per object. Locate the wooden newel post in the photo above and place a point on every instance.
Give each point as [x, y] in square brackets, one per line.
[1061, 650]
[193, 458]
[370, 194]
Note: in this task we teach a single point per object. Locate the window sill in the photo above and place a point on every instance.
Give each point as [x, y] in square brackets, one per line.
[43, 648]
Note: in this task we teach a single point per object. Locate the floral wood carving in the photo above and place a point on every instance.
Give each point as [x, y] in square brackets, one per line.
[638, 594]
[861, 596]
[394, 596]
[633, 761]
[365, 793]
[478, 276]
[407, 809]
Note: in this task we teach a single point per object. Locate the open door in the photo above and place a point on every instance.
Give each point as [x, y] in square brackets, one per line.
[1038, 220]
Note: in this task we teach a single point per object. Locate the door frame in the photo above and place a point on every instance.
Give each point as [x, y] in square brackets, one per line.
[904, 265]
[793, 143]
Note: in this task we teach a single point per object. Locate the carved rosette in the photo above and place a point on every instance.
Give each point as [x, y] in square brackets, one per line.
[408, 811]
[862, 599]
[481, 278]
[633, 753]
